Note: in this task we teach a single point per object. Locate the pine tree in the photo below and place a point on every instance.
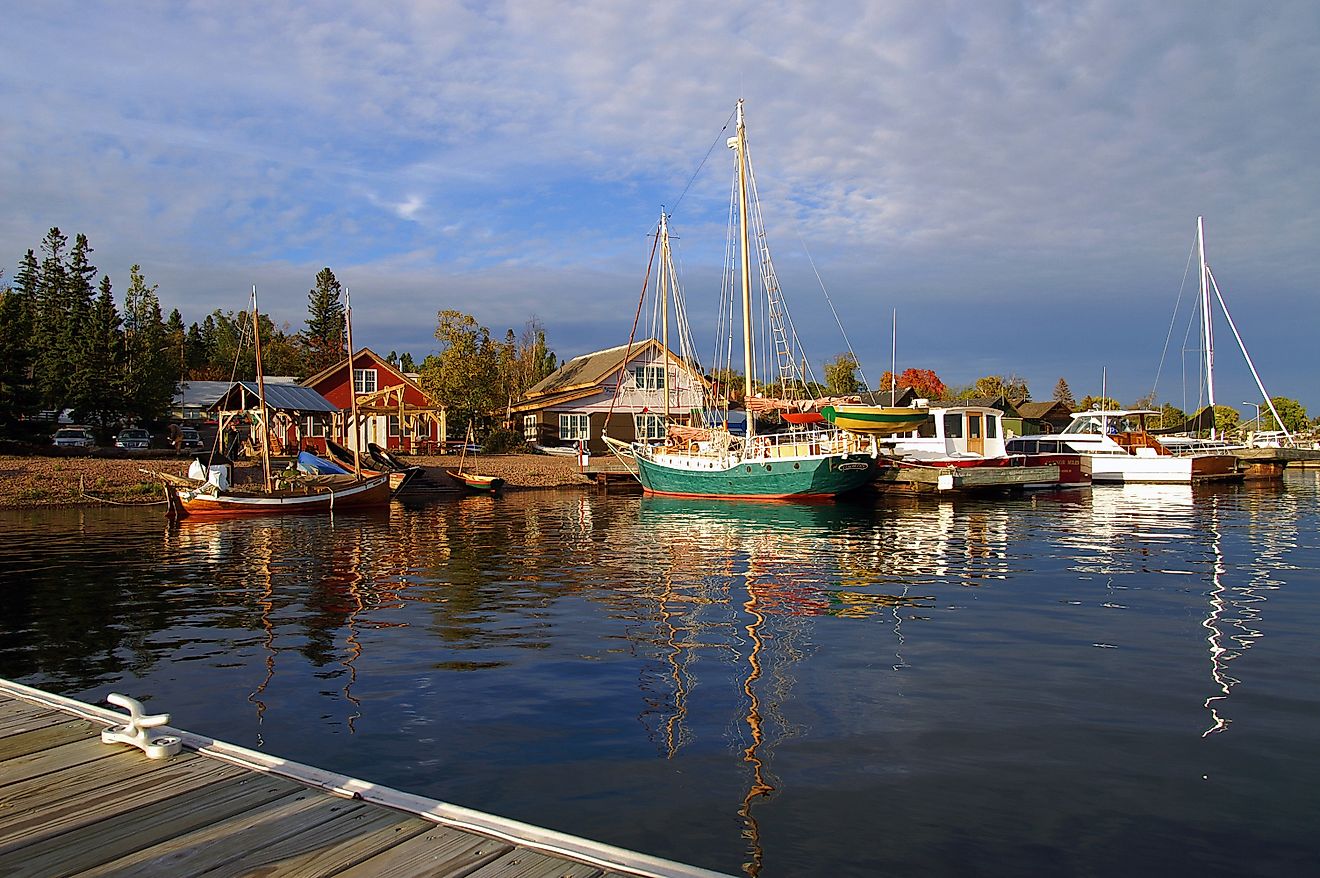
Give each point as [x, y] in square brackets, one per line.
[151, 370]
[98, 386]
[1063, 394]
[18, 396]
[324, 337]
[49, 359]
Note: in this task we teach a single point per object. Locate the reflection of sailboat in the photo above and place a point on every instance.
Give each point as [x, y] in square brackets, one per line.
[711, 460]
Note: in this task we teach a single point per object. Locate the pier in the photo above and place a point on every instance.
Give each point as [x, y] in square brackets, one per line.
[1269, 463]
[971, 478]
[71, 804]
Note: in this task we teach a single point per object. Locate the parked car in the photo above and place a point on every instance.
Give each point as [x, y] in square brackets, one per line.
[190, 437]
[133, 439]
[74, 437]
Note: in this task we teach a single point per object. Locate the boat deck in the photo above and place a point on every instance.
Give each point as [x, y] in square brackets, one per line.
[72, 805]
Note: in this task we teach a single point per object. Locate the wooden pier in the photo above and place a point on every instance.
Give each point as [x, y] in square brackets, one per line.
[73, 805]
[968, 478]
[1269, 463]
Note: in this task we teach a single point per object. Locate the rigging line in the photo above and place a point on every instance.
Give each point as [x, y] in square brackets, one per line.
[627, 352]
[830, 302]
[719, 138]
[1173, 320]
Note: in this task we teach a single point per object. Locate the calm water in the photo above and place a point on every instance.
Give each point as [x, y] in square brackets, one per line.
[1113, 682]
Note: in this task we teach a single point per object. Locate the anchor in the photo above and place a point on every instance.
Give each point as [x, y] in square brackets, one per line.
[135, 732]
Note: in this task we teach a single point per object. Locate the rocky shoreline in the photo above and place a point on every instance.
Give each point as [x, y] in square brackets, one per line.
[35, 481]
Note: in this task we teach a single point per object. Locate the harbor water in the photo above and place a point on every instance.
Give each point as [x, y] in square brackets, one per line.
[1115, 681]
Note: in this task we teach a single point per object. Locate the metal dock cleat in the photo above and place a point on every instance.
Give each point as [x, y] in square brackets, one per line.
[135, 732]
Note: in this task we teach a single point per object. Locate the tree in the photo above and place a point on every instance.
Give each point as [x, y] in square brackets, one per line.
[324, 337]
[729, 385]
[50, 314]
[841, 375]
[1063, 394]
[99, 391]
[524, 360]
[406, 364]
[1291, 411]
[151, 376]
[924, 382]
[1172, 416]
[18, 395]
[465, 375]
[1226, 418]
[1098, 402]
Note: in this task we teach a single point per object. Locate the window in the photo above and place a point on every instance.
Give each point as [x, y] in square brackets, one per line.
[953, 426]
[649, 427]
[393, 428]
[574, 427]
[529, 429]
[991, 427]
[364, 380]
[313, 426]
[650, 377]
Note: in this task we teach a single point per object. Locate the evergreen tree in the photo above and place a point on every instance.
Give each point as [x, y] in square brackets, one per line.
[151, 370]
[1063, 394]
[324, 337]
[50, 360]
[178, 337]
[406, 364]
[98, 388]
[18, 396]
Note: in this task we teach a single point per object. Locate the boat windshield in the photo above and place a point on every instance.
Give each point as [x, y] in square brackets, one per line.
[1099, 423]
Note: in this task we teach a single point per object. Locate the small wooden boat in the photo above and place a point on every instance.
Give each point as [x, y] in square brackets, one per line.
[343, 458]
[475, 482]
[190, 497]
[874, 420]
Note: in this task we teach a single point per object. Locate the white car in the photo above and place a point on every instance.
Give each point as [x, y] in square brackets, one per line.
[133, 439]
[74, 437]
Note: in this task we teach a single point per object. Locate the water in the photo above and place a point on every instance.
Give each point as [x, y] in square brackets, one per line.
[1112, 682]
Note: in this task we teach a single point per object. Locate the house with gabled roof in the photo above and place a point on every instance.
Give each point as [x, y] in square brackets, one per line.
[1050, 416]
[393, 410]
[625, 391]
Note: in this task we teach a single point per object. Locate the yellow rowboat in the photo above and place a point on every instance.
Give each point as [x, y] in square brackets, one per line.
[874, 420]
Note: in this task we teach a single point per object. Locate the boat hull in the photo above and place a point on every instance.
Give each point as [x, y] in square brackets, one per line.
[1163, 469]
[474, 482]
[819, 477]
[184, 502]
[874, 420]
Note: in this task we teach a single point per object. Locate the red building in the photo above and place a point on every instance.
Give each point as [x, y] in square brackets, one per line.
[393, 411]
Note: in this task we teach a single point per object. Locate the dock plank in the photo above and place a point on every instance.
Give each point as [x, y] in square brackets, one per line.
[52, 759]
[438, 851]
[523, 863]
[44, 737]
[233, 842]
[126, 829]
[16, 723]
[54, 803]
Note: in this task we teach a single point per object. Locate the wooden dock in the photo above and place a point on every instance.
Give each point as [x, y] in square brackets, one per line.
[969, 478]
[72, 805]
[1269, 463]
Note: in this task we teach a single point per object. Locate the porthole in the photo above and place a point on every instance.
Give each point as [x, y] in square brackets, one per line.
[797, 466]
[749, 469]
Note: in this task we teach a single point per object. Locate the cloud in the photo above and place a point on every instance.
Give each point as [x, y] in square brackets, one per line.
[989, 169]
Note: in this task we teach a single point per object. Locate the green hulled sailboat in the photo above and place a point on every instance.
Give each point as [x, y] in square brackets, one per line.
[708, 459]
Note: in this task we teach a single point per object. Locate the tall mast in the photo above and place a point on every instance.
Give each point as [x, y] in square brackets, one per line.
[739, 144]
[352, 386]
[1207, 324]
[261, 393]
[664, 306]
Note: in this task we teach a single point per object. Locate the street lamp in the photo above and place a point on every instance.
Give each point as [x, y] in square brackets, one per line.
[1257, 418]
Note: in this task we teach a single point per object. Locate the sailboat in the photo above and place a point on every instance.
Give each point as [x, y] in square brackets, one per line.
[471, 480]
[806, 461]
[293, 491]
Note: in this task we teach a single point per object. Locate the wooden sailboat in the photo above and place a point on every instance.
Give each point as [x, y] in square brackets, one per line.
[473, 481]
[291, 492]
[807, 461]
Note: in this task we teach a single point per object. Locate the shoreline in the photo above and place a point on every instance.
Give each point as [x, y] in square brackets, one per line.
[45, 482]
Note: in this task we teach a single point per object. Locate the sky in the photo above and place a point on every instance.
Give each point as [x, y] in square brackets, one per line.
[1013, 185]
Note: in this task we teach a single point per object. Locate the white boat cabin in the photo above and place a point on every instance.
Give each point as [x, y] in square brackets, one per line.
[963, 432]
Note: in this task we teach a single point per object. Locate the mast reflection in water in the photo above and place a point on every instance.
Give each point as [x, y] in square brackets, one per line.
[1103, 681]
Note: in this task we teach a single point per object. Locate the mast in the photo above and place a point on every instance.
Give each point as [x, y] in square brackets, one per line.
[1207, 324]
[738, 143]
[893, 361]
[664, 306]
[261, 394]
[352, 386]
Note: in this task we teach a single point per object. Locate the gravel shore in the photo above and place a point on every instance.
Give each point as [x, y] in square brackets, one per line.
[78, 480]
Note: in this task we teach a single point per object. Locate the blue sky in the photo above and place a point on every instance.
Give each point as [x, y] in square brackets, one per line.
[1019, 181]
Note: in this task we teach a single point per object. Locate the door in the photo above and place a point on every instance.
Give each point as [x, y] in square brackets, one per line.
[975, 437]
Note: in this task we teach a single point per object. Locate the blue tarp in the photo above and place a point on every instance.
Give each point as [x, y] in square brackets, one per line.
[310, 463]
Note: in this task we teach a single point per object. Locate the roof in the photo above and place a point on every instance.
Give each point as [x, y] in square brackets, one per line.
[1036, 410]
[357, 358]
[584, 375]
[281, 397]
[199, 393]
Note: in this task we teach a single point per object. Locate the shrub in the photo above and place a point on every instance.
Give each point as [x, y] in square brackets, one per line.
[501, 441]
